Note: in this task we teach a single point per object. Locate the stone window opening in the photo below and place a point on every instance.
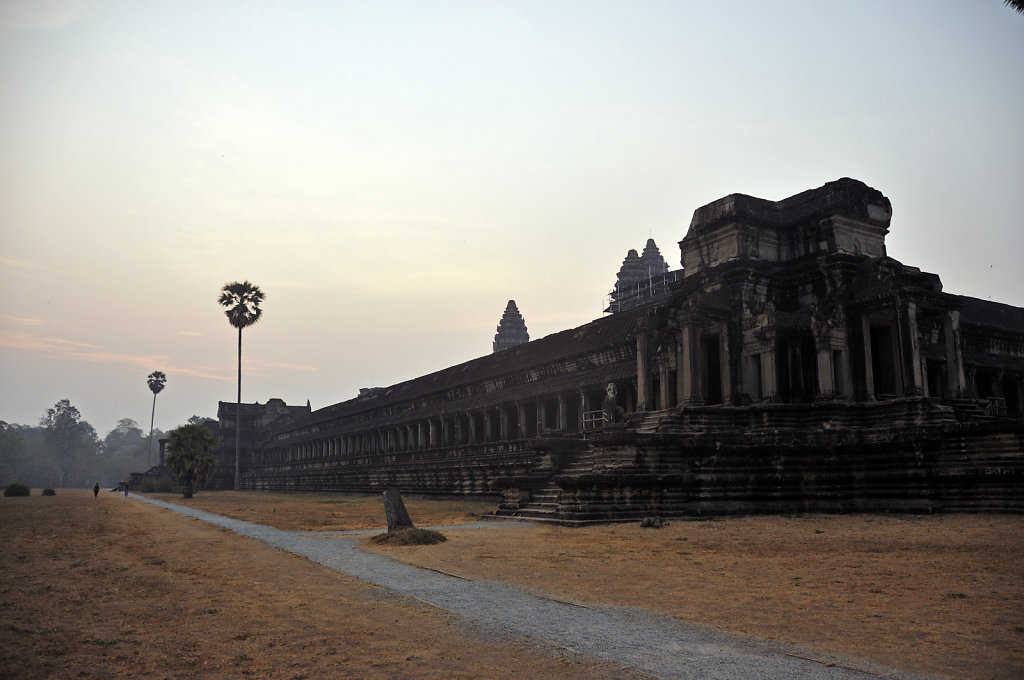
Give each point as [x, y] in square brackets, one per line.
[884, 364]
[711, 368]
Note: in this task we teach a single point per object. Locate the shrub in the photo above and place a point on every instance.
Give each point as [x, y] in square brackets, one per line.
[49, 492]
[411, 537]
[16, 489]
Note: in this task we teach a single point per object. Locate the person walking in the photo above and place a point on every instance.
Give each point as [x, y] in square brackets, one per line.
[96, 490]
[126, 489]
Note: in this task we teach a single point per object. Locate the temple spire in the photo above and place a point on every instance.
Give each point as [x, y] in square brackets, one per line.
[511, 329]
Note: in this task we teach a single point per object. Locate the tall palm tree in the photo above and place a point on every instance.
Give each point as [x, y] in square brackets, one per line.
[242, 301]
[156, 381]
[1015, 4]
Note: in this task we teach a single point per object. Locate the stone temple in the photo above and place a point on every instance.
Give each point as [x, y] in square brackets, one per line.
[789, 365]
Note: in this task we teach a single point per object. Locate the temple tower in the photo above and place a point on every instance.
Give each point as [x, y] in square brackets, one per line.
[641, 278]
[652, 263]
[632, 273]
[511, 329]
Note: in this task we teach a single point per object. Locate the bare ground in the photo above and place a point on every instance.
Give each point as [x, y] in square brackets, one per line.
[114, 587]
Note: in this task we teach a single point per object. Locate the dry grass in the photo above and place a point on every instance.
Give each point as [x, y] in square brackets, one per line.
[117, 588]
[940, 595]
[328, 511]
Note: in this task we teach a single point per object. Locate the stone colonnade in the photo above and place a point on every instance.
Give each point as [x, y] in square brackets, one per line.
[881, 355]
[564, 412]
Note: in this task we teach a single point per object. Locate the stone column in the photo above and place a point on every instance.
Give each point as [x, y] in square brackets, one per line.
[472, 427]
[954, 355]
[503, 423]
[691, 384]
[541, 417]
[826, 372]
[583, 407]
[910, 349]
[869, 371]
[488, 426]
[433, 433]
[522, 420]
[643, 372]
[163, 447]
[769, 379]
[725, 366]
[563, 413]
[663, 388]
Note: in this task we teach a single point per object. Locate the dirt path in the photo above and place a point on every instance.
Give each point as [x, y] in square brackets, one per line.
[657, 645]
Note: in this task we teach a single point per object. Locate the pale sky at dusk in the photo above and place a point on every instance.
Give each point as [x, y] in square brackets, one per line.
[392, 173]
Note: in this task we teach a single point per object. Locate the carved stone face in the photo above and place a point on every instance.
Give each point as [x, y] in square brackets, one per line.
[611, 390]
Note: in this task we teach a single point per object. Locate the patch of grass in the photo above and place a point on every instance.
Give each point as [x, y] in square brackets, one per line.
[410, 537]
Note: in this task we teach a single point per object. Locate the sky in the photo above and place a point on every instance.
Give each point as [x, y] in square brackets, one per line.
[392, 173]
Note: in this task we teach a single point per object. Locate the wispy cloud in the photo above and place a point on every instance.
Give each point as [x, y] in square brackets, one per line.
[72, 350]
[22, 320]
[39, 15]
[69, 343]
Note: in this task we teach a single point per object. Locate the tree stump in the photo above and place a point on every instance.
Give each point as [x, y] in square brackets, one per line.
[395, 512]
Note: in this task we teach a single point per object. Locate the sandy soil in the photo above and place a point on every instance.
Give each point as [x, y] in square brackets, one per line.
[115, 588]
[110, 588]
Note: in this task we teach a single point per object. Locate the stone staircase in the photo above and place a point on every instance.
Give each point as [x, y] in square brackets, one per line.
[544, 503]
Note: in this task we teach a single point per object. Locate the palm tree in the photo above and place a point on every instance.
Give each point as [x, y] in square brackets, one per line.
[243, 309]
[1015, 4]
[190, 455]
[156, 381]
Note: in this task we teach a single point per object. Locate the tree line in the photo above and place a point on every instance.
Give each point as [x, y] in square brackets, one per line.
[65, 451]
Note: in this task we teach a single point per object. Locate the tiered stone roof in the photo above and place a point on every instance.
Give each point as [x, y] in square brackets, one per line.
[632, 272]
[511, 330]
[651, 260]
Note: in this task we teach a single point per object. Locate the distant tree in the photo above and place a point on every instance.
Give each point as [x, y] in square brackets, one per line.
[1017, 5]
[199, 420]
[72, 443]
[190, 455]
[26, 457]
[156, 381]
[123, 451]
[242, 302]
[13, 452]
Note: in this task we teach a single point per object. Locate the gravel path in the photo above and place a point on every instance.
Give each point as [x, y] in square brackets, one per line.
[653, 644]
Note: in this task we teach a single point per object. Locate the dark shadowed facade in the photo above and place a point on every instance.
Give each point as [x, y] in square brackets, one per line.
[790, 365]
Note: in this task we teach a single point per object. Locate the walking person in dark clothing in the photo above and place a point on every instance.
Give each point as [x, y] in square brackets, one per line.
[96, 490]
[126, 489]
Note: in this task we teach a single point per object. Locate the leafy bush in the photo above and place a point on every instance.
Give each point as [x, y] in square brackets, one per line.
[411, 537]
[16, 489]
[49, 492]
